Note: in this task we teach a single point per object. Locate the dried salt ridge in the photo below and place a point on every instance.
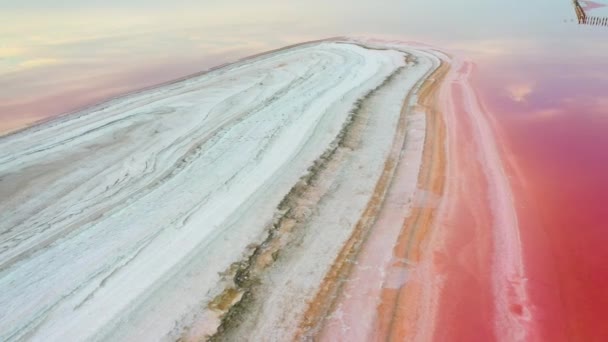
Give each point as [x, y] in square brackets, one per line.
[219, 201]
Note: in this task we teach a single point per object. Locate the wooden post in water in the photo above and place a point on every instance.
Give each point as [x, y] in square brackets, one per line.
[583, 19]
[580, 12]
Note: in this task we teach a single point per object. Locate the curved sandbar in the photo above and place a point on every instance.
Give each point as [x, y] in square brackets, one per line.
[125, 220]
[326, 190]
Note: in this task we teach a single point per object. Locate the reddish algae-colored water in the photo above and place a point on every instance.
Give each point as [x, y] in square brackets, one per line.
[556, 155]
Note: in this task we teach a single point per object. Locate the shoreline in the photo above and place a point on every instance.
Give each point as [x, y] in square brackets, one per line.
[428, 284]
[422, 237]
[203, 167]
[506, 297]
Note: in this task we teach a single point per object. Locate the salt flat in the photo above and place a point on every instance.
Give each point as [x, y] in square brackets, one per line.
[126, 220]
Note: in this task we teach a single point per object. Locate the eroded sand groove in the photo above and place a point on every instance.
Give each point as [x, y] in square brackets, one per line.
[171, 212]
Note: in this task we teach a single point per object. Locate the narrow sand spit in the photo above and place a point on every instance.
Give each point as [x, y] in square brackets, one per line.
[173, 211]
[347, 189]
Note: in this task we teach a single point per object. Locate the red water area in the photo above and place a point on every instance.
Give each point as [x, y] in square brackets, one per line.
[556, 135]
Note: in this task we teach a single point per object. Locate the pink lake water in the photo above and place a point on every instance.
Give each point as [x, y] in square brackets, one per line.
[542, 78]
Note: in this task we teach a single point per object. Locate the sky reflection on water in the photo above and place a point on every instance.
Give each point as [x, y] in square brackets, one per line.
[57, 58]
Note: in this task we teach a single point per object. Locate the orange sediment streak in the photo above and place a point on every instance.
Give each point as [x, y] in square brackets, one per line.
[378, 273]
[394, 319]
[333, 284]
[379, 220]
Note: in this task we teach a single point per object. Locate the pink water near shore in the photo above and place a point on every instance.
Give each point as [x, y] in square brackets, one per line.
[552, 145]
[555, 152]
